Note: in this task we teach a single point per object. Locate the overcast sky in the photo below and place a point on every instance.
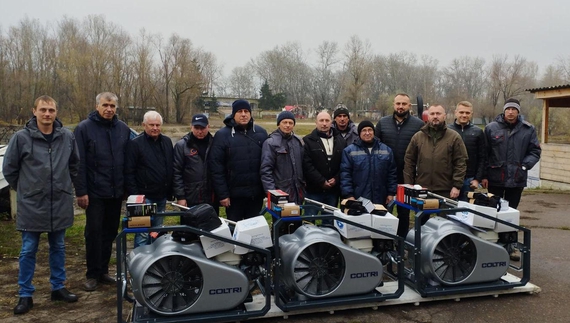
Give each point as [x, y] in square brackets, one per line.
[236, 31]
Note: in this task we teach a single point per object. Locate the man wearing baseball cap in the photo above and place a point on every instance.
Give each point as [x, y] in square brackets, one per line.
[191, 183]
[344, 125]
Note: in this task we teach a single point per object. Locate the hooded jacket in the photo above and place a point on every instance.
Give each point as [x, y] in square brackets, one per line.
[102, 145]
[282, 165]
[437, 164]
[474, 139]
[509, 150]
[235, 158]
[368, 174]
[42, 173]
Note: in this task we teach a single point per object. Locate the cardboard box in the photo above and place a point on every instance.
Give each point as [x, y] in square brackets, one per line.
[135, 199]
[241, 237]
[387, 223]
[144, 209]
[257, 228]
[275, 197]
[290, 209]
[213, 247]
[138, 222]
[350, 231]
[511, 216]
[474, 219]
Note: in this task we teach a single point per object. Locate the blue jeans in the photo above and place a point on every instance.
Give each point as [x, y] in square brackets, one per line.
[325, 198]
[143, 238]
[30, 242]
[466, 188]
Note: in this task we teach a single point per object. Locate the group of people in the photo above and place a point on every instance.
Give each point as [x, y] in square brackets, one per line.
[237, 166]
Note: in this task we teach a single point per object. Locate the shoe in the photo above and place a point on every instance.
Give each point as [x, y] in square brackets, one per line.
[63, 295]
[514, 256]
[107, 280]
[24, 305]
[90, 285]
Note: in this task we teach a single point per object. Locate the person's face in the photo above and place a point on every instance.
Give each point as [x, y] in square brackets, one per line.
[152, 128]
[341, 121]
[463, 114]
[200, 132]
[107, 108]
[45, 113]
[286, 126]
[242, 117]
[436, 115]
[511, 115]
[323, 122]
[367, 134]
[402, 105]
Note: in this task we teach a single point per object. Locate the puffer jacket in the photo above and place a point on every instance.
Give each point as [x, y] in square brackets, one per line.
[102, 146]
[282, 165]
[235, 158]
[509, 149]
[42, 174]
[438, 165]
[397, 137]
[351, 133]
[369, 174]
[316, 166]
[476, 144]
[191, 179]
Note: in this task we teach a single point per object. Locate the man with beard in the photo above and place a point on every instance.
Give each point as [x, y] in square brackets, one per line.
[344, 125]
[321, 163]
[396, 131]
[436, 158]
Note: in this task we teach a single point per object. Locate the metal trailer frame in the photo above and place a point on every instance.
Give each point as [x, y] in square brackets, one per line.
[143, 315]
[416, 279]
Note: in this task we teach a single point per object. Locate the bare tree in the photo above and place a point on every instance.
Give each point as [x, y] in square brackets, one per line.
[241, 82]
[357, 69]
[323, 76]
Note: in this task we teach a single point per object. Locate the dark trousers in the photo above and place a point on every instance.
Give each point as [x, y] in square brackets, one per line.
[244, 208]
[102, 222]
[403, 221]
[328, 198]
[511, 194]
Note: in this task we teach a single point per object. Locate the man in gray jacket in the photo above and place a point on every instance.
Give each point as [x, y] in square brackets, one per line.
[39, 164]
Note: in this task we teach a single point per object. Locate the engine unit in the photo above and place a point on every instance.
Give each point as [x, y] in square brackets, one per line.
[172, 278]
[452, 255]
[317, 264]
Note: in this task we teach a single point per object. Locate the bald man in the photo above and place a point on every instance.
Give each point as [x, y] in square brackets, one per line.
[321, 162]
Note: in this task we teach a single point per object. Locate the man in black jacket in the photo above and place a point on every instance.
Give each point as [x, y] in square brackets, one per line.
[321, 162]
[396, 131]
[476, 144]
[148, 168]
[192, 185]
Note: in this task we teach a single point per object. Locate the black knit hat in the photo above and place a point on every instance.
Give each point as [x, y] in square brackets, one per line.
[285, 115]
[364, 124]
[239, 105]
[341, 110]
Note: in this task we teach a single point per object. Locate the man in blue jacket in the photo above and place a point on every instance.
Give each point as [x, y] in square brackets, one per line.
[234, 160]
[40, 162]
[368, 169]
[102, 140]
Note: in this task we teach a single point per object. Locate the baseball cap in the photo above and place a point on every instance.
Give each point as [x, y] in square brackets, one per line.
[200, 120]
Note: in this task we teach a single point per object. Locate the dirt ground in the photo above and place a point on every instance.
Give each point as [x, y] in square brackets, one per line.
[544, 214]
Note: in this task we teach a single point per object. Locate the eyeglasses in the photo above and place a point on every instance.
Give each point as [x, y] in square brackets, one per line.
[107, 105]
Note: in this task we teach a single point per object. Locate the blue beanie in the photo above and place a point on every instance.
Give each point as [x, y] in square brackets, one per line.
[285, 115]
[239, 105]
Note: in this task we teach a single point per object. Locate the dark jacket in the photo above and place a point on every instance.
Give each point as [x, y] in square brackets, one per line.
[438, 165]
[282, 165]
[351, 133]
[148, 167]
[235, 158]
[191, 179]
[317, 168]
[397, 137]
[42, 173]
[510, 149]
[476, 144]
[368, 174]
[102, 145]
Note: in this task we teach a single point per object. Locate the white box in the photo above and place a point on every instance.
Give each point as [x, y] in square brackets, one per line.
[510, 216]
[257, 228]
[241, 237]
[474, 219]
[387, 223]
[350, 231]
[213, 247]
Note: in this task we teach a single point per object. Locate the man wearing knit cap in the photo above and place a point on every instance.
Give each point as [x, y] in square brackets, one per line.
[513, 149]
[344, 125]
[282, 160]
[234, 160]
[368, 169]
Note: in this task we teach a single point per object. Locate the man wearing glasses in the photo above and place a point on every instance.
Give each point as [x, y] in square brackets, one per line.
[99, 186]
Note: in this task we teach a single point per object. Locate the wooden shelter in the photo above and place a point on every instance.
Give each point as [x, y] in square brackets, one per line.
[555, 158]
